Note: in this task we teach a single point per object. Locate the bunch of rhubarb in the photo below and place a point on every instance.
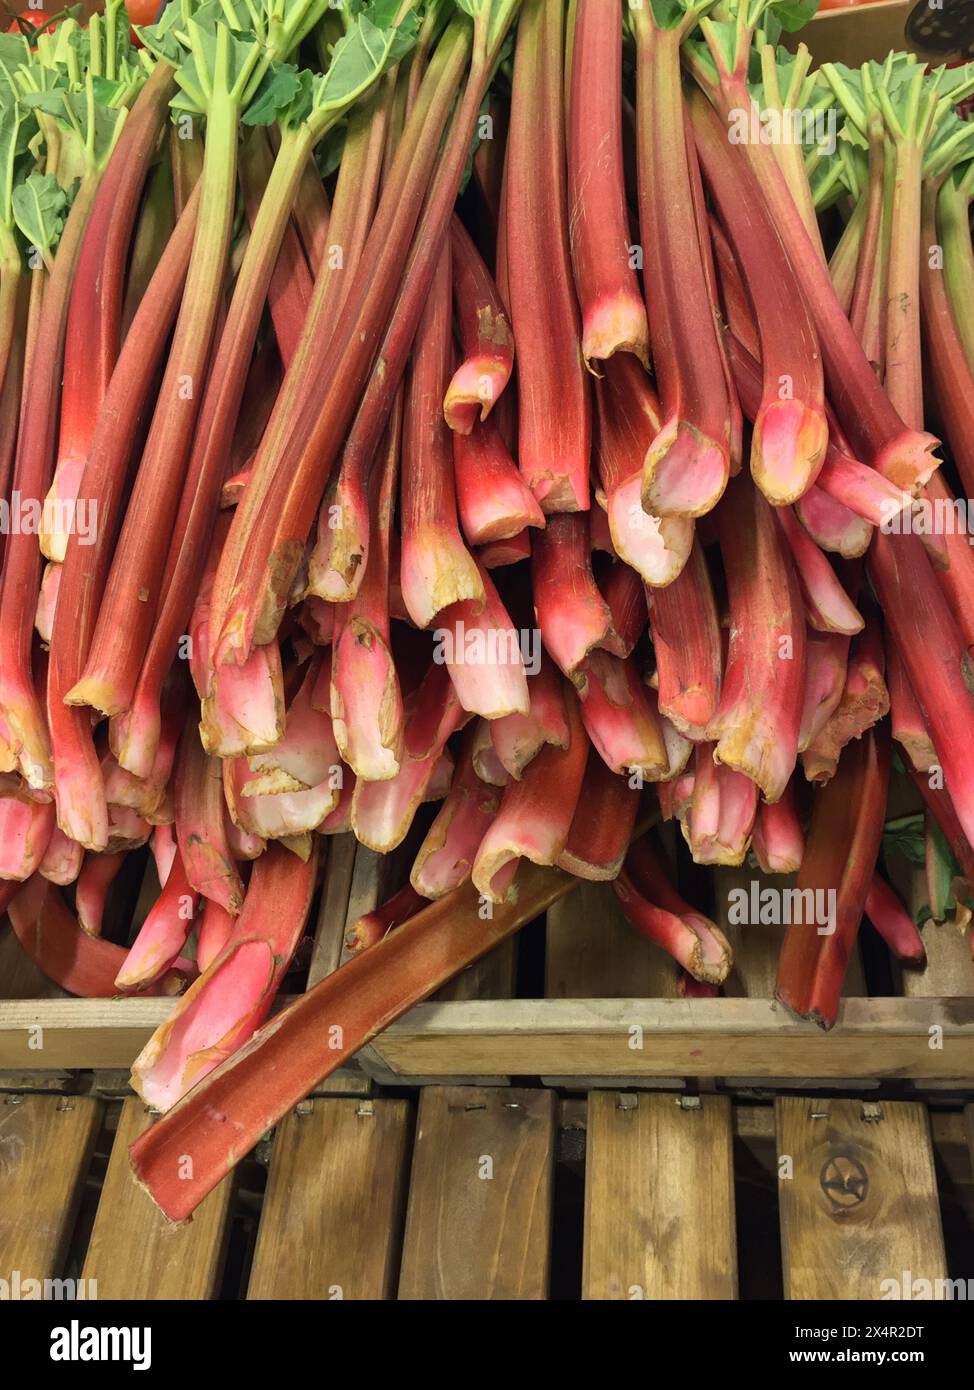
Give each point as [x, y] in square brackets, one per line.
[483, 428]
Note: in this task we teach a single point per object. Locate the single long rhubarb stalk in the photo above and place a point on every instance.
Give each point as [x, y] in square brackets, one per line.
[571, 612]
[214, 933]
[757, 721]
[688, 462]
[954, 224]
[78, 788]
[98, 873]
[687, 643]
[840, 858]
[951, 370]
[602, 825]
[436, 568]
[555, 424]
[656, 910]
[827, 605]
[623, 591]
[233, 995]
[613, 312]
[200, 833]
[628, 421]
[94, 321]
[790, 431]
[163, 933]
[445, 858]
[493, 501]
[365, 699]
[893, 922]
[369, 929]
[229, 1111]
[485, 335]
[536, 813]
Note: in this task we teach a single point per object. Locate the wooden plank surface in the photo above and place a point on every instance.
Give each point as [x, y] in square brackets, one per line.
[860, 1206]
[659, 1198]
[478, 1222]
[679, 1037]
[135, 1253]
[45, 1148]
[593, 953]
[331, 1221]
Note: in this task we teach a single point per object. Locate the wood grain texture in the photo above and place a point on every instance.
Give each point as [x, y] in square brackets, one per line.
[45, 1149]
[135, 1252]
[331, 1222]
[861, 1205]
[478, 1223]
[593, 953]
[659, 1199]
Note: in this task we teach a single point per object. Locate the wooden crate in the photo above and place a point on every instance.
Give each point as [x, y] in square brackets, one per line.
[481, 1193]
[609, 1012]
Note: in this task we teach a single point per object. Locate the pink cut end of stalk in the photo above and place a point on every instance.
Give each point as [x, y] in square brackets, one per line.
[828, 607]
[163, 933]
[487, 764]
[493, 501]
[368, 930]
[436, 570]
[894, 923]
[58, 505]
[82, 812]
[445, 859]
[244, 711]
[481, 650]
[62, 859]
[615, 324]
[788, 448]
[862, 489]
[214, 933]
[778, 841]
[832, 525]
[366, 702]
[620, 718]
[474, 388]
[25, 833]
[684, 473]
[691, 939]
[908, 461]
[656, 547]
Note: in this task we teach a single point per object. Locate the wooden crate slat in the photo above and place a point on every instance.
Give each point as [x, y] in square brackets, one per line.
[689, 1037]
[659, 1198]
[330, 1225]
[45, 1149]
[479, 1214]
[861, 1206]
[135, 1252]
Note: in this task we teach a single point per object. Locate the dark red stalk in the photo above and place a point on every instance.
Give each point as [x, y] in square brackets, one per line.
[840, 857]
[893, 922]
[555, 417]
[493, 501]
[571, 612]
[602, 825]
[200, 834]
[909, 730]
[613, 313]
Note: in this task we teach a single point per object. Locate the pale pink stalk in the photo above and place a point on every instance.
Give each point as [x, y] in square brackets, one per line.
[339, 820]
[163, 846]
[488, 765]
[828, 607]
[47, 602]
[445, 858]
[628, 420]
[145, 794]
[233, 996]
[865, 701]
[620, 718]
[518, 738]
[493, 500]
[652, 905]
[214, 933]
[720, 821]
[481, 650]
[382, 812]
[200, 834]
[861, 489]
[62, 859]
[26, 827]
[126, 829]
[826, 663]
[163, 933]
[244, 711]
[832, 525]
[244, 844]
[536, 813]
[778, 841]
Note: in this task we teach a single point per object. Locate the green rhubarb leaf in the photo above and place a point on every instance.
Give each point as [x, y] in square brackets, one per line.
[39, 208]
[358, 59]
[905, 837]
[283, 95]
[95, 126]
[793, 15]
[218, 55]
[14, 53]
[18, 126]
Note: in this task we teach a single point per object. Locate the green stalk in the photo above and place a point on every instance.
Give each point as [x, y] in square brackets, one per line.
[954, 226]
[10, 275]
